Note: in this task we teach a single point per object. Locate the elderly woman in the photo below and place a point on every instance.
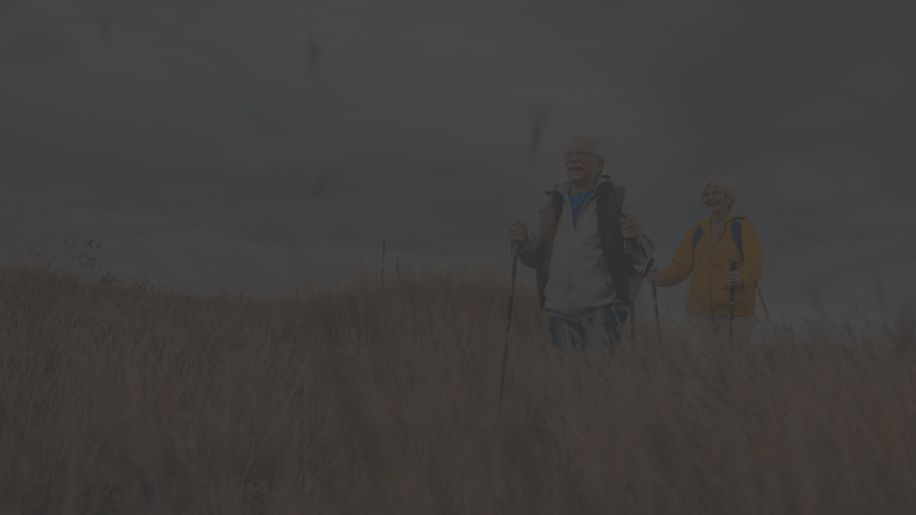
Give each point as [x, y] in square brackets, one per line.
[723, 256]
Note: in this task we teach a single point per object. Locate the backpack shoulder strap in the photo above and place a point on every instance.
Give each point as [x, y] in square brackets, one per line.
[556, 200]
[620, 192]
[697, 234]
[736, 235]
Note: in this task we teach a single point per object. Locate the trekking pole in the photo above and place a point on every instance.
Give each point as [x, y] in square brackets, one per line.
[763, 303]
[732, 266]
[658, 324]
[632, 320]
[502, 378]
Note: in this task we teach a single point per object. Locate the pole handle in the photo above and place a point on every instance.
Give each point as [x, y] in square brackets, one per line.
[732, 266]
[649, 265]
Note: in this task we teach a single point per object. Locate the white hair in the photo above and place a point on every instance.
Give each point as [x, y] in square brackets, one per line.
[723, 184]
[594, 143]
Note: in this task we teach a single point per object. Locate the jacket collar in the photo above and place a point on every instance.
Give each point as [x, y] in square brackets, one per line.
[708, 220]
[564, 187]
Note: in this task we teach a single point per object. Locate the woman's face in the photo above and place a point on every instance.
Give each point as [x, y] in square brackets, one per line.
[716, 200]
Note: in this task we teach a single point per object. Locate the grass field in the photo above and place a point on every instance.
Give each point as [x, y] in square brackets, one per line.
[117, 398]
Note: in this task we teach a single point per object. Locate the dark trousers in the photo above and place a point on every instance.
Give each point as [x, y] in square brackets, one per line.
[601, 325]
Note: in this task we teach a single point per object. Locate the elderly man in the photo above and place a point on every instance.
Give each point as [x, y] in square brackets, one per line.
[588, 250]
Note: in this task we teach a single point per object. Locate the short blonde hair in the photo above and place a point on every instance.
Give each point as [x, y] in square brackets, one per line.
[723, 184]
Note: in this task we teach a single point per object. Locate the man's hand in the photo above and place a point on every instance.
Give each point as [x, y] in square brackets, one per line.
[734, 279]
[652, 276]
[518, 232]
[631, 228]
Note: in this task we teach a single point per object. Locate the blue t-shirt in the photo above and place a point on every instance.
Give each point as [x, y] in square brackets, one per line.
[577, 202]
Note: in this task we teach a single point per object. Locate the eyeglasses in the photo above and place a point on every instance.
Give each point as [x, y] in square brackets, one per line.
[578, 154]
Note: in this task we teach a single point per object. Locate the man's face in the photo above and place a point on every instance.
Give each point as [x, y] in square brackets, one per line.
[582, 164]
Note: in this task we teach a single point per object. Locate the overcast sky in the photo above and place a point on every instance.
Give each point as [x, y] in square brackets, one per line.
[242, 144]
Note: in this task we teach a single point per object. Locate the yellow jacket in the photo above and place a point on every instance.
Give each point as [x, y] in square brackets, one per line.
[708, 294]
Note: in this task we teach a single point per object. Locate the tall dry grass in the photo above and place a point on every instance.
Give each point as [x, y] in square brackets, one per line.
[122, 399]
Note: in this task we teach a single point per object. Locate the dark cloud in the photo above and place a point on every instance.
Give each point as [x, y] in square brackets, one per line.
[320, 183]
[227, 144]
[314, 52]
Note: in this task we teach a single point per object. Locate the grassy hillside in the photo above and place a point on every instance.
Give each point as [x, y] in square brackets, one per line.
[123, 399]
